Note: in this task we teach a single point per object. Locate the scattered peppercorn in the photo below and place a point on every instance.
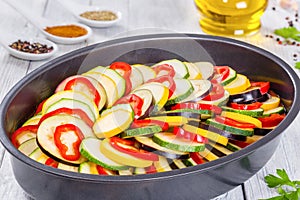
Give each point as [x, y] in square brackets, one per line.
[99, 15]
[27, 47]
[273, 8]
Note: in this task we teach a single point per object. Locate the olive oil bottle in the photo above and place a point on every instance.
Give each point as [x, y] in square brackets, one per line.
[231, 17]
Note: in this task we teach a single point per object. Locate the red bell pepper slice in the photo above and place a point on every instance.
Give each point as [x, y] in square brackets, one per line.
[125, 70]
[63, 148]
[251, 106]
[188, 135]
[241, 144]
[151, 169]
[148, 122]
[197, 106]
[127, 146]
[197, 158]
[272, 120]
[102, 171]
[264, 86]
[135, 101]
[75, 112]
[231, 122]
[40, 107]
[52, 163]
[221, 73]
[165, 78]
[164, 67]
[29, 129]
[82, 80]
[216, 93]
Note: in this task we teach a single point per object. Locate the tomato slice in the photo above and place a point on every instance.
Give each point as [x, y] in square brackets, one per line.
[164, 67]
[221, 73]
[251, 106]
[81, 80]
[16, 137]
[231, 122]
[166, 78]
[197, 106]
[216, 93]
[75, 112]
[135, 101]
[148, 122]
[125, 70]
[64, 149]
[127, 146]
[151, 169]
[272, 120]
[188, 135]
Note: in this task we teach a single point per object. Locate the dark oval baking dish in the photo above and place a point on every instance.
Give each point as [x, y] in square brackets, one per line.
[199, 182]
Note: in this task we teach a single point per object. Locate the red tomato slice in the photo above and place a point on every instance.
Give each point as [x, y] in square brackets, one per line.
[221, 73]
[188, 135]
[148, 122]
[197, 106]
[272, 120]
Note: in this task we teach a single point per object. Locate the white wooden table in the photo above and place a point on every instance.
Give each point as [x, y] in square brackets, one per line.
[143, 17]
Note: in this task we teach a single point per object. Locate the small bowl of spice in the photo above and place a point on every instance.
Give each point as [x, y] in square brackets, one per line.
[68, 33]
[99, 18]
[32, 49]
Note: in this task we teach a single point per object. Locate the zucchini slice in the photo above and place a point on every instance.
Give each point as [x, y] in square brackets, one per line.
[122, 158]
[109, 85]
[162, 165]
[179, 67]
[67, 167]
[136, 77]
[238, 85]
[206, 69]
[218, 102]
[74, 104]
[113, 121]
[193, 70]
[159, 92]
[70, 94]
[114, 75]
[34, 120]
[184, 89]
[146, 71]
[171, 141]
[206, 133]
[147, 144]
[233, 130]
[45, 134]
[201, 90]
[28, 146]
[148, 101]
[253, 113]
[142, 131]
[99, 88]
[230, 78]
[90, 148]
[278, 110]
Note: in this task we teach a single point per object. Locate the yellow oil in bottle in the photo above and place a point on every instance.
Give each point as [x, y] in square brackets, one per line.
[231, 17]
